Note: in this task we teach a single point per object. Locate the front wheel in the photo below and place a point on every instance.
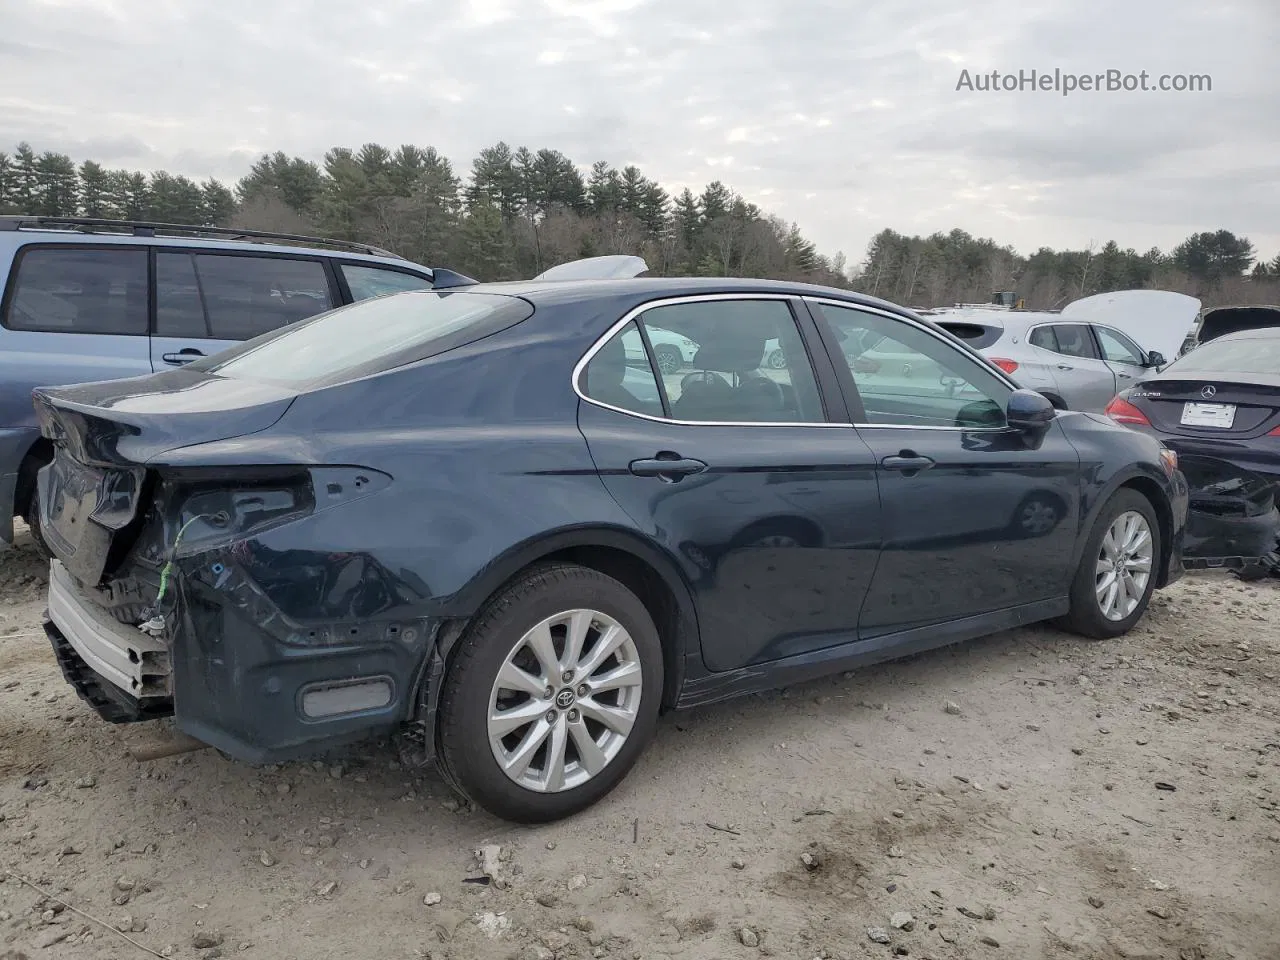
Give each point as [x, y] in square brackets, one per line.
[1117, 572]
[553, 695]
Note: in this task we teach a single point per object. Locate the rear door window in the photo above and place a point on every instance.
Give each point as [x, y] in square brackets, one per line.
[732, 377]
[230, 297]
[69, 289]
[366, 282]
[1075, 340]
[975, 335]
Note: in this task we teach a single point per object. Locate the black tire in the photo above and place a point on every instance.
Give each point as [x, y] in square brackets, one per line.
[463, 749]
[1085, 617]
[669, 358]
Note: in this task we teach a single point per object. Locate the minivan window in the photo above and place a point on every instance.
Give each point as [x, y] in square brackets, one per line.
[367, 282]
[230, 297]
[369, 337]
[68, 289]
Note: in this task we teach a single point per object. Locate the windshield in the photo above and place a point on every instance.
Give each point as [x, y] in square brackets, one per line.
[369, 337]
[1253, 355]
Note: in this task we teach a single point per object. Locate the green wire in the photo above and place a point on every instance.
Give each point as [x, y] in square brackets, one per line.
[168, 566]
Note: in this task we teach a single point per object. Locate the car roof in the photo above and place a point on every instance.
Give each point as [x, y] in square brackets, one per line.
[558, 292]
[27, 237]
[17, 231]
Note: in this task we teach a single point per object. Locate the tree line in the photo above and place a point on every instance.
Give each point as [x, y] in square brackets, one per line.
[945, 268]
[518, 211]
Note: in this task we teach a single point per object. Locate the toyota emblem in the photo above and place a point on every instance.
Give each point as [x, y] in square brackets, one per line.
[1208, 391]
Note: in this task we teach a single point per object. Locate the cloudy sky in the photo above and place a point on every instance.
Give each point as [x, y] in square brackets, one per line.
[843, 116]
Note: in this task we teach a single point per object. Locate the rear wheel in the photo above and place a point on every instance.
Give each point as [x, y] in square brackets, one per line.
[553, 695]
[1117, 572]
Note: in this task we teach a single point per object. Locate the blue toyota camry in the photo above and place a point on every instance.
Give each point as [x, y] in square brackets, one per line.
[487, 517]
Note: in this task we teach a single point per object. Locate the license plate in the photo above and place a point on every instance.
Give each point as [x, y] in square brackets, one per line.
[1208, 414]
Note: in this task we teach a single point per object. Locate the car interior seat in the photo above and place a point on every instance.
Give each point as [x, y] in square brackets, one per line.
[747, 396]
[606, 375]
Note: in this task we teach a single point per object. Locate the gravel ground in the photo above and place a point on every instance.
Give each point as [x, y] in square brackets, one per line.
[1029, 795]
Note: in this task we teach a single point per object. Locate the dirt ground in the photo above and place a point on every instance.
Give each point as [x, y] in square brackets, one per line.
[1030, 795]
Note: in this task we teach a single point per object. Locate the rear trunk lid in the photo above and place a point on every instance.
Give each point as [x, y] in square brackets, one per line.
[1223, 320]
[1218, 408]
[107, 435]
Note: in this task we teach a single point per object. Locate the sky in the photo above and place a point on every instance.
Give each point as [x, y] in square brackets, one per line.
[842, 116]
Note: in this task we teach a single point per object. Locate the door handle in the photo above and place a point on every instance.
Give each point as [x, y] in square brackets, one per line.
[670, 468]
[186, 355]
[907, 462]
[1065, 366]
[1125, 376]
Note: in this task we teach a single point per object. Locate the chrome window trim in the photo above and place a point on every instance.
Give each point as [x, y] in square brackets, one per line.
[635, 312]
[910, 321]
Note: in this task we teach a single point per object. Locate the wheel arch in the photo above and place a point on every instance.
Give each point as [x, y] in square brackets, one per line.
[639, 565]
[1151, 490]
[38, 454]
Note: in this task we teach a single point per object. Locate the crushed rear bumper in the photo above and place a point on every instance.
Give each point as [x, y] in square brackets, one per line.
[233, 670]
[1233, 520]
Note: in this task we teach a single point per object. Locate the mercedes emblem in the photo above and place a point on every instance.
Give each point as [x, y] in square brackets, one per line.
[1208, 391]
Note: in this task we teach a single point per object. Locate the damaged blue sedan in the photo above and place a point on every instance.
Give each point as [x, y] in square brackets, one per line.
[491, 518]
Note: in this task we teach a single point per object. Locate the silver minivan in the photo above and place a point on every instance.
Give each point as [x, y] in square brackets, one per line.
[88, 300]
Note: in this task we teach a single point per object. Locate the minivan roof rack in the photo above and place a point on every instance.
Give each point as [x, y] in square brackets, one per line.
[148, 228]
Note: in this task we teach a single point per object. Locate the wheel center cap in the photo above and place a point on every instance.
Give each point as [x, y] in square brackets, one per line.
[565, 698]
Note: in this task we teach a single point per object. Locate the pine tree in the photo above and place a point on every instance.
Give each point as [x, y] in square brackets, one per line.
[95, 191]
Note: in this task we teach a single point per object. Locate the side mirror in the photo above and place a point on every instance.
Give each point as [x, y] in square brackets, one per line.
[1030, 413]
[1156, 359]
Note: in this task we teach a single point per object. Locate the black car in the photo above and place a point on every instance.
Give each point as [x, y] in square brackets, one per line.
[1218, 407]
[467, 516]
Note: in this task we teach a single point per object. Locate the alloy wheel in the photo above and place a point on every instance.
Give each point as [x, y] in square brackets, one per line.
[1124, 565]
[564, 701]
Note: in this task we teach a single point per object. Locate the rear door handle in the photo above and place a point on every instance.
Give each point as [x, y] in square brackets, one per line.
[669, 468]
[1065, 366]
[907, 462]
[182, 356]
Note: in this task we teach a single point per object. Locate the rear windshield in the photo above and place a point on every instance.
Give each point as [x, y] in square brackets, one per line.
[974, 334]
[368, 337]
[1254, 355]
